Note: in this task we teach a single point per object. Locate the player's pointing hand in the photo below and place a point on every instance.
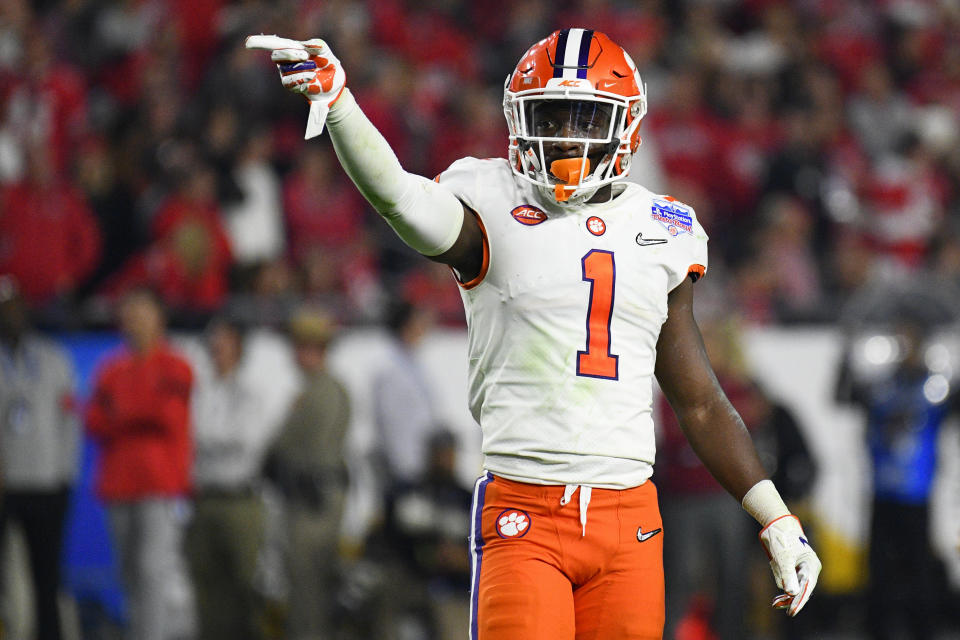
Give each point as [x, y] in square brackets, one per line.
[309, 68]
[313, 71]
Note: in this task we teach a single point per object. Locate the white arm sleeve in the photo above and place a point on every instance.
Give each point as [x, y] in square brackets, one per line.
[426, 215]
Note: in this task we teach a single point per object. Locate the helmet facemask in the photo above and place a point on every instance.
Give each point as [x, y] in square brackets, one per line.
[569, 144]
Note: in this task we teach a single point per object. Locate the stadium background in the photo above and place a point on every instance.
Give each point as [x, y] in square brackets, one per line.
[816, 139]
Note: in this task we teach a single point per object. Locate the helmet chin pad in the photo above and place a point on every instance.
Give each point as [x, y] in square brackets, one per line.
[571, 172]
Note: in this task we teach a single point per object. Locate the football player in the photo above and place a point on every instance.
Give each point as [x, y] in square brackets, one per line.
[578, 291]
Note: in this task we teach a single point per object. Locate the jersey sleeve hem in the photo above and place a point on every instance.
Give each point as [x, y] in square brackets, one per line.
[484, 266]
[696, 271]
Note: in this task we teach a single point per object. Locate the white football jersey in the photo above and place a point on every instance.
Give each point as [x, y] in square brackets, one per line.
[563, 325]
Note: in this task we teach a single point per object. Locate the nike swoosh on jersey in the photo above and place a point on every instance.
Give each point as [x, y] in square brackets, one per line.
[646, 242]
[643, 537]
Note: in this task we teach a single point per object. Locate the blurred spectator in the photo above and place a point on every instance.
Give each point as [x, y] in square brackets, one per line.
[274, 292]
[905, 408]
[327, 237]
[238, 68]
[389, 100]
[401, 25]
[476, 128]
[48, 236]
[117, 44]
[688, 140]
[945, 254]
[879, 115]
[746, 100]
[403, 409]
[113, 203]
[748, 141]
[255, 223]
[45, 101]
[306, 463]
[194, 24]
[220, 148]
[904, 203]
[708, 552]
[780, 257]
[188, 260]
[425, 589]
[753, 287]
[428, 287]
[322, 209]
[345, 278]
[39, 433]
[850, 265]
[226, 534]
[139, 414]
[939, 83]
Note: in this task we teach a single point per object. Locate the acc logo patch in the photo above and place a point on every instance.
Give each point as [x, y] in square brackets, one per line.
[513, 523]
[528, 215]
[596, 226]
[675, 216]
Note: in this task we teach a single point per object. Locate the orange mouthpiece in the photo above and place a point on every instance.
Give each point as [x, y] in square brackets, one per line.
[571, 171]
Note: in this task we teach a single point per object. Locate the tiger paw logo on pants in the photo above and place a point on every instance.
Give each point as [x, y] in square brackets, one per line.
[513, 523]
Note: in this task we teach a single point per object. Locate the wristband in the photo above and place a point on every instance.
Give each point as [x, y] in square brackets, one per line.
[764, 503]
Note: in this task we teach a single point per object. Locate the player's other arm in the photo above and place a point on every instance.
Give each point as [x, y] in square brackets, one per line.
[710, 423]
[425, 214]
[718, 436]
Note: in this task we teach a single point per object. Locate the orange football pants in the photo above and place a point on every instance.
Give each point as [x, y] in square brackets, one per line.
[537, 576]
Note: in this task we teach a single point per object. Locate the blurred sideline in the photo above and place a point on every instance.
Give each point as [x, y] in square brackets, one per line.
[795, 366]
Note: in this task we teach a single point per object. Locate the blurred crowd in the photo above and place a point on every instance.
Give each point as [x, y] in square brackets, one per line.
[222, 467]
[153, 172]
[141, 144]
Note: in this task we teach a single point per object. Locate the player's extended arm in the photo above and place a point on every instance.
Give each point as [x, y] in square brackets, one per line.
[425, 215]
[718, 436]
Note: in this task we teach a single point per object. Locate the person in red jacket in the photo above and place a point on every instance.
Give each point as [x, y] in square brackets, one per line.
[139, 414]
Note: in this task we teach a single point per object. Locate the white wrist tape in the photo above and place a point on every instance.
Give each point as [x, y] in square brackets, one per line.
[764, 503]
[425, 215]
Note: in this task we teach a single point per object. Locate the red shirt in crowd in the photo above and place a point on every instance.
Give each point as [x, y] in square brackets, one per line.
[188, 261]
[689, 144]
[401, 27]
[47, 107]
[320, 211]
[49, 238]
[140, 415]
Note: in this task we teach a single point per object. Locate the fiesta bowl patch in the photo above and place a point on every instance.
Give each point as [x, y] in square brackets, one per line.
[528, 214]
[675, 216]
[513, 523]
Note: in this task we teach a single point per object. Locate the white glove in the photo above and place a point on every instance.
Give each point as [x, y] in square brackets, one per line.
[794, 564]
[309, 68]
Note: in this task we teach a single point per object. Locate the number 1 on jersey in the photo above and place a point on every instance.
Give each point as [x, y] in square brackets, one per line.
[597, 361]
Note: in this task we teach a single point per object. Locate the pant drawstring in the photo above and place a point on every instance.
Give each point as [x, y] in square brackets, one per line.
[585, 491]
